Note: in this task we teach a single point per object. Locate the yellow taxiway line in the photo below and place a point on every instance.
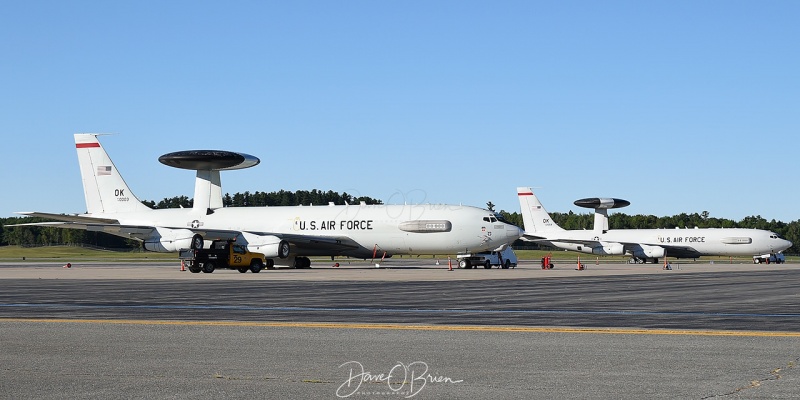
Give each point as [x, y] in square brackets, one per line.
[336, 325]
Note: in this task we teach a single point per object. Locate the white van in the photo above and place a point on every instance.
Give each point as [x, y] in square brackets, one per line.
[504, 259]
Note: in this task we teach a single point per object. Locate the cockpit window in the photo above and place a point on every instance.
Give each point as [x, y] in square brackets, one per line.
[500, 218]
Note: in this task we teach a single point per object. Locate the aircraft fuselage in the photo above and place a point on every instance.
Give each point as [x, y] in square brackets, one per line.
[683, 243]
[395, 229]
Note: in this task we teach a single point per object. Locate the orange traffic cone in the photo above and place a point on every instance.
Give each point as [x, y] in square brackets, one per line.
[183, 266]
[67, 265]
[449, 264]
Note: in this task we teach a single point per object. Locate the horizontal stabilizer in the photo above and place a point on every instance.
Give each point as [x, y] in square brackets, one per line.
[534, 238]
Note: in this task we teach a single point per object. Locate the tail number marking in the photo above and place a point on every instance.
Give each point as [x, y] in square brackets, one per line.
[120, 193]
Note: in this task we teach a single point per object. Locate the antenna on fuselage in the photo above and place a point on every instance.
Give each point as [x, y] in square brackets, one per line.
[601, 206]
[208, 164]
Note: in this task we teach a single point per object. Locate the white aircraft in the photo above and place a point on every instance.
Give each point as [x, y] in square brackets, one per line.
[286, 235]
[641, 244]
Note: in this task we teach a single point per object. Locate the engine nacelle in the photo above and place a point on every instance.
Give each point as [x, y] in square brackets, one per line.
[609, 249]
[167, 240]
[269, 245]
[645, 251]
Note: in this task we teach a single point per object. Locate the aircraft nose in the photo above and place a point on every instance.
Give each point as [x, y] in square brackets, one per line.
[786, 244]
[514, 232]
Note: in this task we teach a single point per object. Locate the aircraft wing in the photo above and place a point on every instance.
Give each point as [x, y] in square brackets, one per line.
[321, 245]
[68, 218]
[126, 231]
[308, 244]
[675, 251]
[671, 249]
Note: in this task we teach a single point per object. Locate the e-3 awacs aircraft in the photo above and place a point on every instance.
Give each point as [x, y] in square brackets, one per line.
[641, 244]
[286, 235]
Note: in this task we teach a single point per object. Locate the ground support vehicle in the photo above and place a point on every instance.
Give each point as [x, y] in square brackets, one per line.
[504, 259]
[224, 254]
[772, 258]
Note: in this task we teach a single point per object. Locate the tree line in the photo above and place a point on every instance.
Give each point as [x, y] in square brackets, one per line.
[36, 236]
[272, 199]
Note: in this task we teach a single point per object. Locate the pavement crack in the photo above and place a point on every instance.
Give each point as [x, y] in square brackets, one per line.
[242, 378]
[774, 375]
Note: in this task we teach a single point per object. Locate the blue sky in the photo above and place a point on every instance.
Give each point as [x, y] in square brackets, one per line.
[676, 106]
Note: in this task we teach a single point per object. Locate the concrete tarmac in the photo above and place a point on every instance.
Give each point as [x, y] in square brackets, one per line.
[408, 330]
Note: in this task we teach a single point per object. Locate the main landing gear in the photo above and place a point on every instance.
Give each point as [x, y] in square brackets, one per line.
[302, 262]
[637, 260]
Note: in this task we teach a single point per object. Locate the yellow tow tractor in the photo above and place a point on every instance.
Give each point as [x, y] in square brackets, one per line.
[224, 254]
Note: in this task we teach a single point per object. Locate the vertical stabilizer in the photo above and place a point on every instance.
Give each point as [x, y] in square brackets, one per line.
[103, 187]
[534, 216]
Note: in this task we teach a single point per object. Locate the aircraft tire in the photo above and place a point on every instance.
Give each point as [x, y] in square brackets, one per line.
[283, 249]
[195, 270]
[487, 264]
[242, 270]
[208, 267]
[270, 263]
[507, 265]
[302, 262]
[255, 266]
[197, 242]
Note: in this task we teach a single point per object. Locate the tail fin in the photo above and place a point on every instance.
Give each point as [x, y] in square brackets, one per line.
[534, 216]
[103, 186]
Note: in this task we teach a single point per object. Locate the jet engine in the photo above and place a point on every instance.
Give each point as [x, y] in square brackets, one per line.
[609, 249]
[166, 240]
[645, 251]
[269, 245]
